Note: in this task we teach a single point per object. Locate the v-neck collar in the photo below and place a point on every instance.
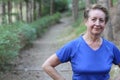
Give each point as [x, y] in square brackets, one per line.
[90, 47]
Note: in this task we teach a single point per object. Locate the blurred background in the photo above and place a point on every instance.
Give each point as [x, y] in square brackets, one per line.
[23, 22]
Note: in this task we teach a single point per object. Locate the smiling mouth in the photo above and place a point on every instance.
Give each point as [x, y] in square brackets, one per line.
[97, 29]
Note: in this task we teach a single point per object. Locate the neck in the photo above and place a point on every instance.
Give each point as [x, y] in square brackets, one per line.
[92, 38]
[93, 41]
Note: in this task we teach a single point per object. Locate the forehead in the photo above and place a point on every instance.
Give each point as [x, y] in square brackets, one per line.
[96, 13]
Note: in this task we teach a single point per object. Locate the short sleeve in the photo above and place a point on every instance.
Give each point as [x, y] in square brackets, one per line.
[64, 53]
[116, 52]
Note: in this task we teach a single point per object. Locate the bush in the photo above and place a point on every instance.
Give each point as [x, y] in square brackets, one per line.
[9, 46]
[41, 25]
[26, 34]
[15, 36]
[12, 38]
[61, 5]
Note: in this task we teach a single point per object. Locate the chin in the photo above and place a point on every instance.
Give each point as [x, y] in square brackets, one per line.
[96, 33]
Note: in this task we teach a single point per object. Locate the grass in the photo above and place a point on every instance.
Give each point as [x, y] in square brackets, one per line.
[80, 29]
[115, 2]
[79, 26]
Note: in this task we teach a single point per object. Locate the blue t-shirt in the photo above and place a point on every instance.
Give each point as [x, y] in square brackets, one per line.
[89, 64]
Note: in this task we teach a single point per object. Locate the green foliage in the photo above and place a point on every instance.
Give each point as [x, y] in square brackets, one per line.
[80, 29]
[5, 1]
[41, 25]
[115, 2]
[9, 46]
[94, 1]
[45, 10]
[25, 32]
[15, 36]
[79, 25]
[81, 4]
[80, 19]
[11, 38]
[61, 5]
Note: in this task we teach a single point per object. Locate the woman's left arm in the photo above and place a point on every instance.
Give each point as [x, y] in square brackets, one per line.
[119, 65]
[118, 75]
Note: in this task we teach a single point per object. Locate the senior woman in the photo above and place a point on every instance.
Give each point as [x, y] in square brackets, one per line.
[91, 56]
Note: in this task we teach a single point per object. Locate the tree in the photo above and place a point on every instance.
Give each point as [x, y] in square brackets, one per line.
[111, 3]
[9, 11]
[116, 23]
[20, 12]
[34, 10]
[31, 10]
[88, 2]
[3, 12]
[51, 7]
[75, 9]
[108, 32]
[28, 10]
[40, 8]
[94, 1]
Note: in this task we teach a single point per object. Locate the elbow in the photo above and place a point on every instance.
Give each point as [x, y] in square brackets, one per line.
[45, 67]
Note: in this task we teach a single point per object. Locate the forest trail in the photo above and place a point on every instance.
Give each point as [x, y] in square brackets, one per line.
[30, 60]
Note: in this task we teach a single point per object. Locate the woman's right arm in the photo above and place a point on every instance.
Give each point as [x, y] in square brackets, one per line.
[49, 67]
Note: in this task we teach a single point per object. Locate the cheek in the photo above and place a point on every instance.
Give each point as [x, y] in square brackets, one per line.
[88, 23]
[103, 26]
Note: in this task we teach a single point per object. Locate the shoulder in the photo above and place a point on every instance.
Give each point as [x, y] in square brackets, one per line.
[72, 45]
[75, 42]
[67, 51]
[110, 44]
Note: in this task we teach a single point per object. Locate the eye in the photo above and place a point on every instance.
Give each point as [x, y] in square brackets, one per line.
[102, 20]
[93, 19]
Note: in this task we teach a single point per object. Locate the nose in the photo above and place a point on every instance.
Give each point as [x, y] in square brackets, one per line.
[97, 22]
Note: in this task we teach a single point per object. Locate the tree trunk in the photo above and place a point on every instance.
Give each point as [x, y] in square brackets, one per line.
[9, 12]
[88, 3]
[21, 15]
[31, 11]
[34, 10]
[116, 23]
[108, 32]
[75, 9]
[40, 9]
[27, 11]
[3, 12]
[105, 3]
[111, 3]
[51, 7]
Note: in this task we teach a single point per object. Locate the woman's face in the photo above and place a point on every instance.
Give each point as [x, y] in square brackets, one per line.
[95, 22]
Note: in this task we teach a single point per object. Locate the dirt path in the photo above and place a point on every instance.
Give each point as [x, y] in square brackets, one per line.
[30, 60]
